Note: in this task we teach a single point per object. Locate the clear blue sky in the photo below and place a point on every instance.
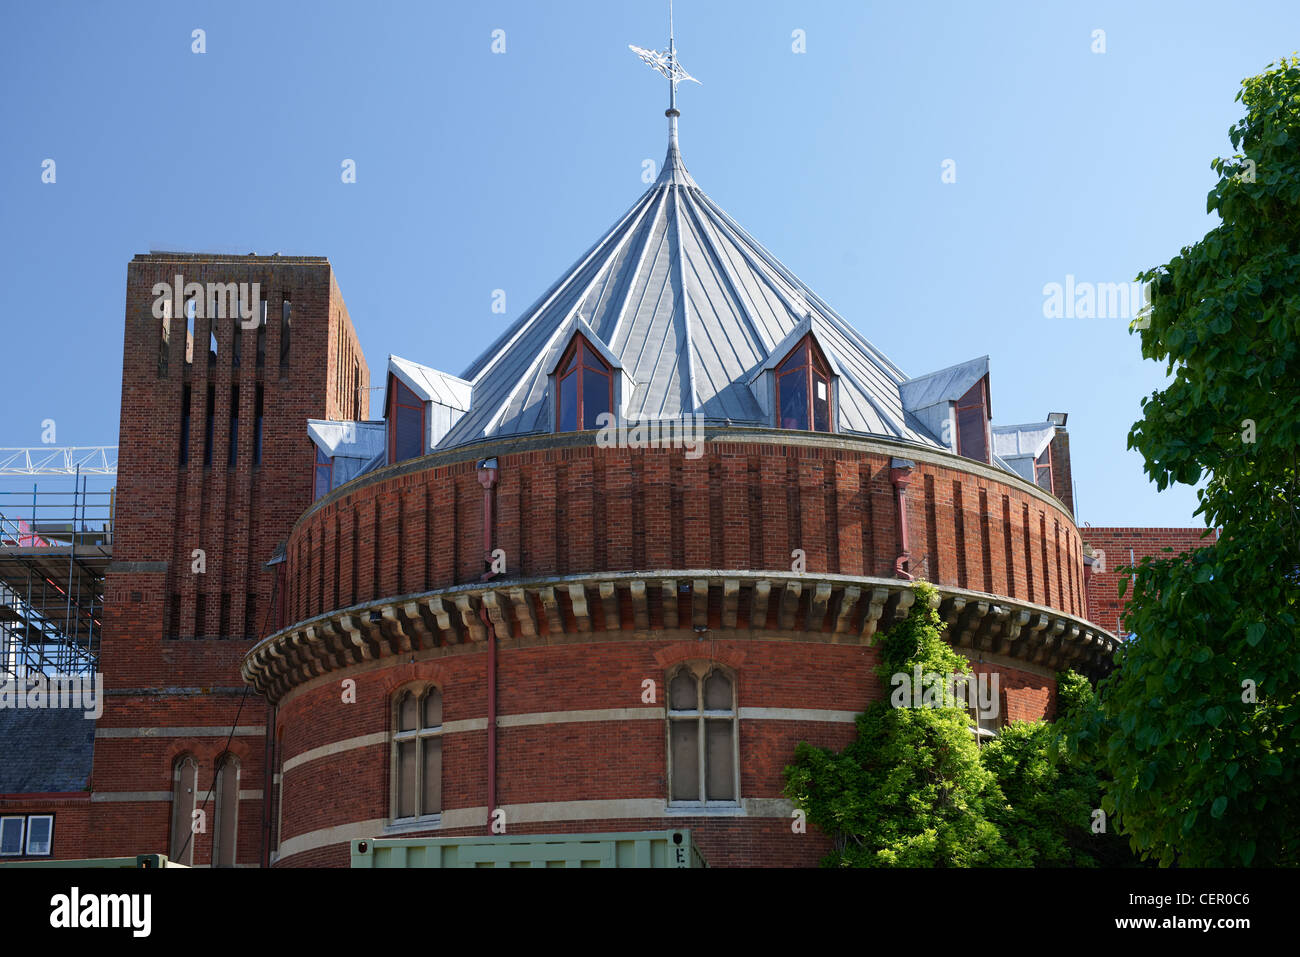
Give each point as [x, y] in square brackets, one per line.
[478, 171]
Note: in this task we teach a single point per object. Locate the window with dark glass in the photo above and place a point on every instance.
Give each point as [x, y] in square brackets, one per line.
[1043, 469]
[12, 830]
[261, 337]
[702, 742]
[257, 426]
[210, 423]
[324, 473]
[234, 427]
[286, 324]
[405, 422]
[803, 389]
[185, 424]
[585, 388]
[973, 422]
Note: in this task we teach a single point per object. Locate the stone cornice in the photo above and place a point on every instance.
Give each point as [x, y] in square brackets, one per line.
[830, 608]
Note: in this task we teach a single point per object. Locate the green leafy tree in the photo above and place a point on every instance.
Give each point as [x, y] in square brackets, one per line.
[910, 790]
[1199, 724]
[1053, 791]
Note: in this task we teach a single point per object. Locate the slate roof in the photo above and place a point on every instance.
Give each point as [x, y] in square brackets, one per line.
[45, 750]
[692, 307]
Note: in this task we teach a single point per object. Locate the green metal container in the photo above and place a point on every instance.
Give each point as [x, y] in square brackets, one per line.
[630, 849]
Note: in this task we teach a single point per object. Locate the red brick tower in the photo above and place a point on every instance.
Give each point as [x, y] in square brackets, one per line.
[214, 470]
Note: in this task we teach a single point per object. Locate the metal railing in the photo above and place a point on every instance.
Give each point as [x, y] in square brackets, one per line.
[36, 519]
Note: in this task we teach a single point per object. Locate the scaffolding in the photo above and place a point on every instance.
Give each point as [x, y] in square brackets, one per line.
[55, 546]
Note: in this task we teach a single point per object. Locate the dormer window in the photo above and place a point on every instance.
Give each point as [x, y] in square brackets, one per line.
[803, 389]
[405, 422]
[322, 474]
[584, 387]
[1043, 469]
[973, 422]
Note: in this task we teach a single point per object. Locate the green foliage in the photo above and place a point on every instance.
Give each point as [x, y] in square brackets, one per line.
[914, 789]
[1203, 775]
[1053, 791]
[910, 790]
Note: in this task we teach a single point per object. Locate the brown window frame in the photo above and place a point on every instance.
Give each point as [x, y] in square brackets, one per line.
[578, 373]
[816, 361]
[983, 405]
[1039, 465]
[396, 387]
[328, 466]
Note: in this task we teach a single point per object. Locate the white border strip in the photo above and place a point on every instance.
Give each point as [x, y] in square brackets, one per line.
[564, 717]
[241, 731]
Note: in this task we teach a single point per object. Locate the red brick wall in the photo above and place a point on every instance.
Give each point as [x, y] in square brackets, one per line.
[743, 505]
[1104, 604]
[595, 760]
[71, 812]
[157, 673]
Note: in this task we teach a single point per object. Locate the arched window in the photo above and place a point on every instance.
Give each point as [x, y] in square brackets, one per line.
[226, 813]
[803, 389]
[185, 778]
[406, 429]
[417, 754]
[702, 736]
[584, 387]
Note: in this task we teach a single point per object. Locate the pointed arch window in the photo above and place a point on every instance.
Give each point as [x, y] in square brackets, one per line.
[417, 754]
[226, 812]
[584, 385]
[702, 736]
[185, 778]
[803, 389]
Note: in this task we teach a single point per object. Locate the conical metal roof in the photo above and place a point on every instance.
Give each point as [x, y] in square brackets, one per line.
[693, 308]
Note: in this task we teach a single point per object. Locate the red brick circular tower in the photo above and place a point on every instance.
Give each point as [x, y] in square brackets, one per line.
[609, 577]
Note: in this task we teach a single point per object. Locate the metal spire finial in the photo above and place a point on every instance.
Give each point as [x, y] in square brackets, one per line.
[667, 64]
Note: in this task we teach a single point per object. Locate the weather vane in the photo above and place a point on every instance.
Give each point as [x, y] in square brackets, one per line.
[666, 63]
